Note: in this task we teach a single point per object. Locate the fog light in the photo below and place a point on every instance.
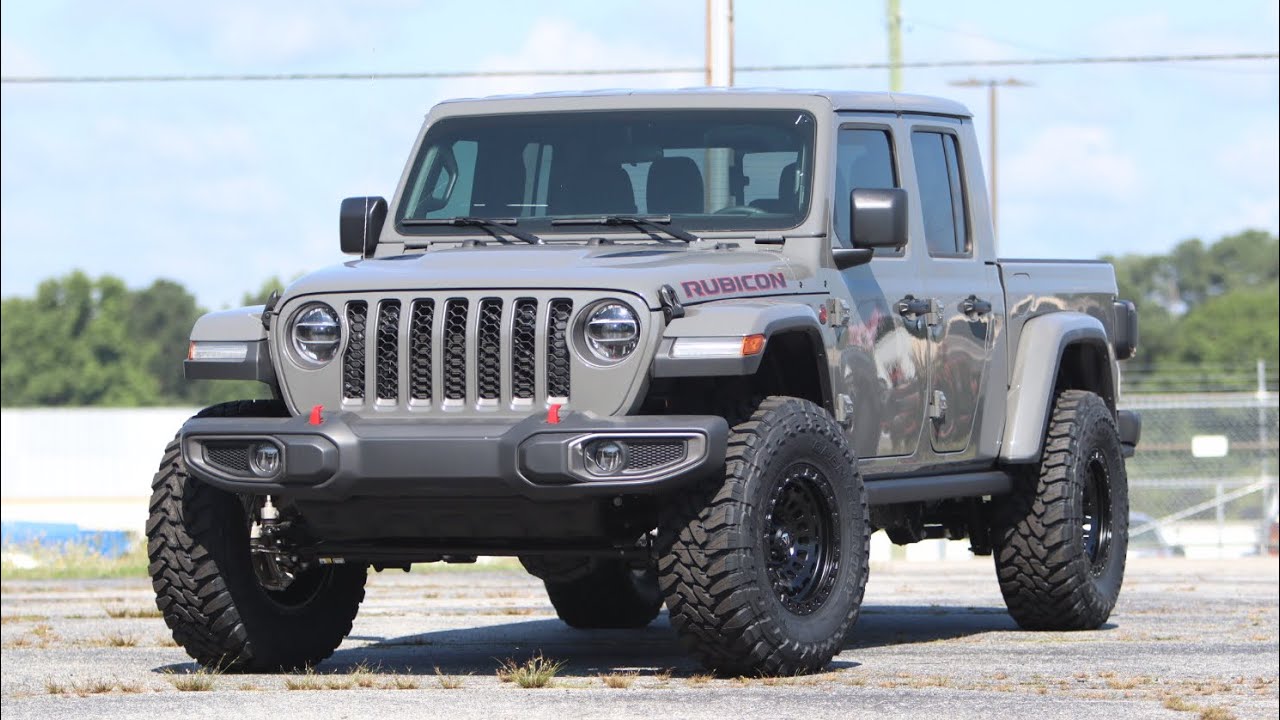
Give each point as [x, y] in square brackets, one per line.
[264, 458]
[605, 457]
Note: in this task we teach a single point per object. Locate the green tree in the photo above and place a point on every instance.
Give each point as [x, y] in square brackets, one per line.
[1206, 313]
[71, 345]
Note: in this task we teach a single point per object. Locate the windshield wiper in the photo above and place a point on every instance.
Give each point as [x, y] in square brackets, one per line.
[660, 223]
[493, 225]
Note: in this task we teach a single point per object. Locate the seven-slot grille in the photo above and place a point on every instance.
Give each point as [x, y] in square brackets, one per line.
[457, 349]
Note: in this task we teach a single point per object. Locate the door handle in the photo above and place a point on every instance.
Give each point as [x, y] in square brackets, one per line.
[911, 306]
[974, 307]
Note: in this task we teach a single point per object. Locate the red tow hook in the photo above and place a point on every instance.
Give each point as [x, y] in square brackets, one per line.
[317, 415]
[553, 414]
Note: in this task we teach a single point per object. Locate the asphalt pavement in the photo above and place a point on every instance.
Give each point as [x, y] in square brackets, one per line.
[1189, 639]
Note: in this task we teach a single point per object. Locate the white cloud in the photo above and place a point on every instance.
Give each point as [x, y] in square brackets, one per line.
[553, 43]
[1071, 160]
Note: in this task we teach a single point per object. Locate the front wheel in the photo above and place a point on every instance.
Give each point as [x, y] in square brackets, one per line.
[1060, 538]
[223, 610]
[764, 571]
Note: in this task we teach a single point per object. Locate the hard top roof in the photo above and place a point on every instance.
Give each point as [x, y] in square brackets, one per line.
[839, 99]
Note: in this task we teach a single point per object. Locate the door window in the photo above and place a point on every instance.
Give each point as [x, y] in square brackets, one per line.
[942, 197]
[864, 159]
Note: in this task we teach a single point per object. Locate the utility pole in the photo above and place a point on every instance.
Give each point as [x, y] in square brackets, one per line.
[719, 43]
[893, 14]
[993, 163]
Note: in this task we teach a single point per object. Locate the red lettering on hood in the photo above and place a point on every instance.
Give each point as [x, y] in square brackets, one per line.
[729, 284]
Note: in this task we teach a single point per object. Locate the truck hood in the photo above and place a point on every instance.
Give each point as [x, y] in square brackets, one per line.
[696, 275]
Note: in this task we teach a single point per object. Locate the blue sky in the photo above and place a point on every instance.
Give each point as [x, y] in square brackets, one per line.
[221, 185]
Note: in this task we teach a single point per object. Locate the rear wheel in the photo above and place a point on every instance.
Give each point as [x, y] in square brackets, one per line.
[1061, 537]
[764, 571]
[612, 594]
[225, 606]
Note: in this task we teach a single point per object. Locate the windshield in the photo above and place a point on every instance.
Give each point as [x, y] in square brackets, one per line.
[705, 169]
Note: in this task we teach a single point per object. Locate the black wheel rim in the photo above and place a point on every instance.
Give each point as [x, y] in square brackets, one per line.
[1096, 524]
[802, 535]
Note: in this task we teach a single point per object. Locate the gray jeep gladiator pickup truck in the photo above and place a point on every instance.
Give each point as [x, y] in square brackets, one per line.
[688, 347]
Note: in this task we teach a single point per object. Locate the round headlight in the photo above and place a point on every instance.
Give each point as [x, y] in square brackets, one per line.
[316, 334]
[612, 331]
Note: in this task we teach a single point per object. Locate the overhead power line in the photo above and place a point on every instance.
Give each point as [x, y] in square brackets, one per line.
[570, 72]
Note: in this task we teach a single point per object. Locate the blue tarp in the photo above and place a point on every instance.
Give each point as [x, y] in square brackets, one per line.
[109, 543]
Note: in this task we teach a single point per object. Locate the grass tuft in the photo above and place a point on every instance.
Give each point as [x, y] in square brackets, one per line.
[308, 680]
[22, 619]
[201, 680]
[364, 676]
[619, 680]
[536, 672]
[119, 612]
[116, 640]
[401, 682]
[448, 682]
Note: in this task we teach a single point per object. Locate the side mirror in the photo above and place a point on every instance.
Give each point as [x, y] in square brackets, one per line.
[877, 218]
[359, 224]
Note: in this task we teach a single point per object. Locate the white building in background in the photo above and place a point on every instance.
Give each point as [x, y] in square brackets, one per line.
[88, 466]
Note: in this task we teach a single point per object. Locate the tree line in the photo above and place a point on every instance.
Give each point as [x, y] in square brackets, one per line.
[1207, 312]
[95, 341]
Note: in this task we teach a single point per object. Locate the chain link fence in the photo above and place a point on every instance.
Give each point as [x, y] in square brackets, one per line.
[1203, 482]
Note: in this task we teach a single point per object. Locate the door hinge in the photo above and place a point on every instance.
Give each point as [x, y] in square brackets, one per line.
[938, 406]
[933, 317]
[844, 411]
[837, 312]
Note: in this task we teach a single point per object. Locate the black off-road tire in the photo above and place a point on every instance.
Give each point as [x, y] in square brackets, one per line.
[612, 595]
[730, 573]
[206, 588]
[1061, 537]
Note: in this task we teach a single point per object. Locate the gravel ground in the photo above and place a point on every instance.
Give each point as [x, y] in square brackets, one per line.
[1190, 639]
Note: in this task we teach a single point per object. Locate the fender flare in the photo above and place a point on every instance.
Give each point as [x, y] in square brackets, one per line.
[1041, 345]
[735, 320]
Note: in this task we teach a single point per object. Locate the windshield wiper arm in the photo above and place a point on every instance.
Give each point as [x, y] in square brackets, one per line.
[660, 223]
[490, 224]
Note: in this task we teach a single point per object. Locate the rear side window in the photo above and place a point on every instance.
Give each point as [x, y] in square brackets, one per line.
[942, 196]
[864, 159]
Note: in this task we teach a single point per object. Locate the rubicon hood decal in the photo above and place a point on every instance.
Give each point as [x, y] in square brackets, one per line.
[733, 284]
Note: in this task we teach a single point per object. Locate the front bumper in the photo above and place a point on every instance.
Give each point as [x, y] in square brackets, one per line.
[347, 455]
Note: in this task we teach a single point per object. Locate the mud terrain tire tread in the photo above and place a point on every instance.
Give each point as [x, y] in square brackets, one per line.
[710, 571]
[194, 572]
[1044, 575]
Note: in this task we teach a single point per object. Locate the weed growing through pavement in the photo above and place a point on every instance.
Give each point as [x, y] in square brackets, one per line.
[201, 680]
[619, 680]
[536, 672]
[116, 640]
[308, 680]
[401, 682]
[448, 682]
[119, 612]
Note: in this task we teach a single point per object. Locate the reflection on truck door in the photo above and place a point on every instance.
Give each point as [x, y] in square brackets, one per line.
[884, 356]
